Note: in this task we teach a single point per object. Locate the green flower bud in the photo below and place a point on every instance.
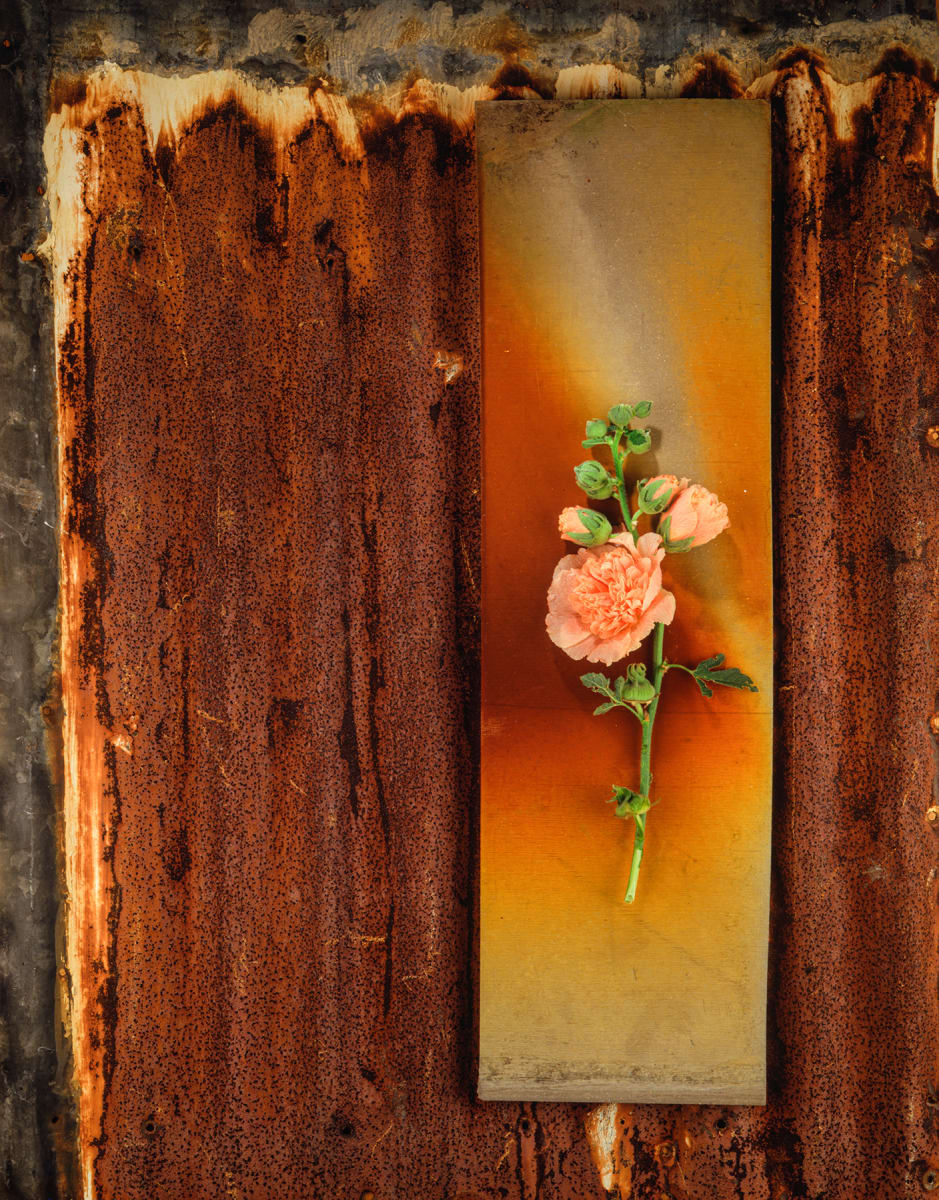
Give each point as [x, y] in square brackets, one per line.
[639, 441]
[635, 686]
[629, 803]
[585, 527]
[621, 415]
[594, 479]
[596, 430]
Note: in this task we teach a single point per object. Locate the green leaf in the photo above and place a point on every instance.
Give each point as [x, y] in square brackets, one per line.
[588, 442]
[639, 441]
[596, 681]
[619, 687]
[642, 409]
[605, 708]
[706, 665]
[734, 678]
[710, 672]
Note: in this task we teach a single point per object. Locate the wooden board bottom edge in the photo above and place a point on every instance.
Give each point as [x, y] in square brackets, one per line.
[749, 1095]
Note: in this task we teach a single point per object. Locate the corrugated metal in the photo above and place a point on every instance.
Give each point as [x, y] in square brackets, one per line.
[270, 654]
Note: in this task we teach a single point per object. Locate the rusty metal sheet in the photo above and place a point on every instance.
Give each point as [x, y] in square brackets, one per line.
[268, 371]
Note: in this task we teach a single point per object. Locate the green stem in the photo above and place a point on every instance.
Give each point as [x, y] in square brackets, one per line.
[645, 771]
[670, 666]
[638, 843]
[621, 494]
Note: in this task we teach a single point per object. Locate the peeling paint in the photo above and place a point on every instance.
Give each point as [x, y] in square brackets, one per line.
[608, 1132]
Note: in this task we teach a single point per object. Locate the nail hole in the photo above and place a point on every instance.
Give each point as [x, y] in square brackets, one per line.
[930, 1180]
[54, 1119]
[347, 1130]
[720, 1123]
[149, 1126]
[4, 187]
[524, 1125]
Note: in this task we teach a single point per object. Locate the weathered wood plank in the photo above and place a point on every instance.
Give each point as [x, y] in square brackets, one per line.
[608, 279]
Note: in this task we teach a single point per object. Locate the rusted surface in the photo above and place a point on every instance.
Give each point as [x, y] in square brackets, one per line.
[269, 653]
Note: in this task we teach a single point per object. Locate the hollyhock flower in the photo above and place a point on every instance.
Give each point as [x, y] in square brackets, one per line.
[695, 514]
[584, 526]
[602, 602]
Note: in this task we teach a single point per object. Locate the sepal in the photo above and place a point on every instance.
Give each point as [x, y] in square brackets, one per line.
[629, 803]
[679, 547]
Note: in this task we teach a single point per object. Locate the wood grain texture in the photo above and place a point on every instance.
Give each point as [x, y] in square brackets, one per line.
[606, 280]
[275, 487]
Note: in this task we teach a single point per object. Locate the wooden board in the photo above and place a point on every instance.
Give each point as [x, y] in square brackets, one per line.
[625, 256]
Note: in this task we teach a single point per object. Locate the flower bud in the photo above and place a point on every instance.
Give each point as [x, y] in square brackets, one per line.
[594, 479]
[637, 687]
[584, 526]
[639, 441]
[656, 494]
[629, 803]
[596, 430]
[620, 415]
[694, 517]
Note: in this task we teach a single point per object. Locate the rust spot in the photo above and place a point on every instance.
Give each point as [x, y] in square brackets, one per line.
[932, 435]
[667, 1153]
[712, 77]
[799, 56]
[514, 79]
[900, 60]
[67, 91]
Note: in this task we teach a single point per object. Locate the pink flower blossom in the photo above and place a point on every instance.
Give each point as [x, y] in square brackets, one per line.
[602, 602]
[694, 513]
